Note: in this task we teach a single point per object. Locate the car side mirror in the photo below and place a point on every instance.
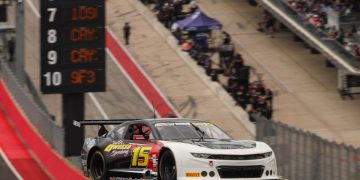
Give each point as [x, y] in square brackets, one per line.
[102, 131]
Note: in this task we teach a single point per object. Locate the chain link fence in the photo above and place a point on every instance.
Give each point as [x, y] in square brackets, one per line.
[303, 155]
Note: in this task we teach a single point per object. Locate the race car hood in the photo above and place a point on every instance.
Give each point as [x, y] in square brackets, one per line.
[226, 144]
[223, 146]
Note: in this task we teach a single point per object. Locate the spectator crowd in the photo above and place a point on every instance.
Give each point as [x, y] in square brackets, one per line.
[315, 12]
[253, 96]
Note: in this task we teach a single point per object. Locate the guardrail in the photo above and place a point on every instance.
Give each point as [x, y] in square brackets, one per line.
[304, 155]
[43, 122]
[332, 50]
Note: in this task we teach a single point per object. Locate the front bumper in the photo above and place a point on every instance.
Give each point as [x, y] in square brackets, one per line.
[198, 168]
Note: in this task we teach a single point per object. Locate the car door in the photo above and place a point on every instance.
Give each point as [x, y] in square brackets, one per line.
[141, 137]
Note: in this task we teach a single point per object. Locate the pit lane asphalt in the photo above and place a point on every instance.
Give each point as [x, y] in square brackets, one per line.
[5, 171]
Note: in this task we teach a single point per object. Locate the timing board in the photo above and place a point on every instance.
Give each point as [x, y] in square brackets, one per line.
[72, 46]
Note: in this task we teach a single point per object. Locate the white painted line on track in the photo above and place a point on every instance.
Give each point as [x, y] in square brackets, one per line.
[148, 103]
[8, 163]
[98, 106]
[33, 8]
[143, 72]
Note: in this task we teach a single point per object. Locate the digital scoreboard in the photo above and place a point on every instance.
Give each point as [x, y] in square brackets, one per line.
[72, 46]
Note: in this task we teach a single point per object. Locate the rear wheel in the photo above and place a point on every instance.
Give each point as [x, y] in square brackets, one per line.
[167, 166]
[97, 166]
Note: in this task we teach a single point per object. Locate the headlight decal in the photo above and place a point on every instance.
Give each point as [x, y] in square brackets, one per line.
[192, 174]
[201, 155]
[232, 157]
[268, 154]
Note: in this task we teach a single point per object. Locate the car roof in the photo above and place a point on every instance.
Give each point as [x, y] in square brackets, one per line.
[166, 120]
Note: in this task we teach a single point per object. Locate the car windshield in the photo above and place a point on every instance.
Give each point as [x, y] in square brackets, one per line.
[187, 130]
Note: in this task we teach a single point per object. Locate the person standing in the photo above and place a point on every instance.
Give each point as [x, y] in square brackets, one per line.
[269, 96]
[227, 38]
[178, 8]
[193, 6]
[127, 30]
[237, 64]
[11, 49]
[269, 25]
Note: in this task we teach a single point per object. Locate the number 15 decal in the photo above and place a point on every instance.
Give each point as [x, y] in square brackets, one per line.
[140, 156]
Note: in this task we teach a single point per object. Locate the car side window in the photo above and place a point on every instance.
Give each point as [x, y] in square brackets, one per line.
[117, 134]
[111, 135]
[129, 132]
[120, 132]
[139, 132]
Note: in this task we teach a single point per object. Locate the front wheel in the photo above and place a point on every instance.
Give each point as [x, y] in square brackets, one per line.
[97, 166]
[167, 167]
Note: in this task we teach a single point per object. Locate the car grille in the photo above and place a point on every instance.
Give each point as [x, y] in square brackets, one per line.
[240, 171]
[236, 157]
[230, 145]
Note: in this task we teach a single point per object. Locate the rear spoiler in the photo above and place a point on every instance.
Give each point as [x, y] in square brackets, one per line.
[101, 122]
[102, 130]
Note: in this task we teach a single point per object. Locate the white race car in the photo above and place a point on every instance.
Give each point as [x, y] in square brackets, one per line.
[170, 149]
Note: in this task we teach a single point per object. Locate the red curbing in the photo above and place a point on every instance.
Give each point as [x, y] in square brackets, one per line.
[17, 154]
[46, 156]
[147, 88]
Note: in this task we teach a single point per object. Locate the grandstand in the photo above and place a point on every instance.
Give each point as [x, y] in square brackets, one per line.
[313, 24]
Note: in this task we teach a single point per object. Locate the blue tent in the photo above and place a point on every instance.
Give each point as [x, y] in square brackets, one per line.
[199, 21]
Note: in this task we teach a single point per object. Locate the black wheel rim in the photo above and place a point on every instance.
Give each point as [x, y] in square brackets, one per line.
[169, 167]
[97, 166]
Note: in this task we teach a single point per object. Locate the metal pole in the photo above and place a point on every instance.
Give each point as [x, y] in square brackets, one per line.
[298, 148]
[4, 48]
[73, 106]
[19, 43]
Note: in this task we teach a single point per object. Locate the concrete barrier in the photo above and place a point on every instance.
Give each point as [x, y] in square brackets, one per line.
[215, 87]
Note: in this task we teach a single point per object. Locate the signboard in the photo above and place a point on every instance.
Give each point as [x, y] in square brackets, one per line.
[353, 81]
[72, 46]
[348, 83]
[3, 13]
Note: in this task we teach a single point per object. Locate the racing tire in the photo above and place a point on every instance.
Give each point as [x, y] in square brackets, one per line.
[97, 168]
[167, 166]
